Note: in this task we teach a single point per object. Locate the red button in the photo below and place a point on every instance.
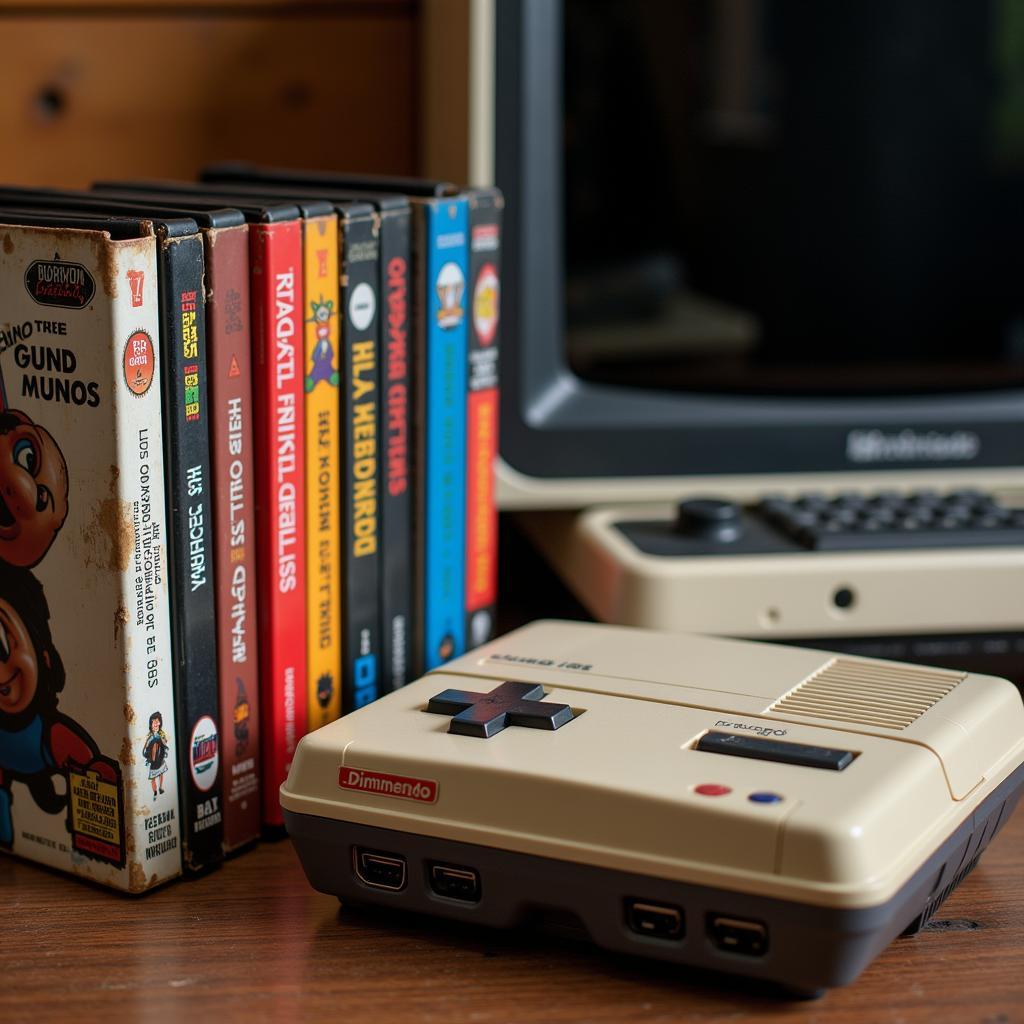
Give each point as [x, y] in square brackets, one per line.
[712, 789]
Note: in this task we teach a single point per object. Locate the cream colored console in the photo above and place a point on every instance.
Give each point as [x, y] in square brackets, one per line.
[624, 566]
[755, 809]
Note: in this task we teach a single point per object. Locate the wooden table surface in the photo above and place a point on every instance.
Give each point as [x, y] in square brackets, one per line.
[252, 939]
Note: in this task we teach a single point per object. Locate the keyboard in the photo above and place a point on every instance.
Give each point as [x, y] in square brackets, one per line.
[854, 521]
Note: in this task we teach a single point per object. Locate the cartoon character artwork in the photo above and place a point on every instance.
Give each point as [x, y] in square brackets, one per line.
[324, 689]
[323, 354]
[450, 286]
[37, 741]
[33, 489]
[154, 752]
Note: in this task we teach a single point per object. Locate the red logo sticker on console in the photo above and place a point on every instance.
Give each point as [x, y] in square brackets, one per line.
[424, 790]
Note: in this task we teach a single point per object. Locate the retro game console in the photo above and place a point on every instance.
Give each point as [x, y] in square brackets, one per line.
[843, 566]
[748, 808]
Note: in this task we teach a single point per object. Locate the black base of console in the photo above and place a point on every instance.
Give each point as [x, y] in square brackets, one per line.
[802, 947]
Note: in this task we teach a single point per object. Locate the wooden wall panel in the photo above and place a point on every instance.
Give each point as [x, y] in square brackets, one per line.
[87, 91]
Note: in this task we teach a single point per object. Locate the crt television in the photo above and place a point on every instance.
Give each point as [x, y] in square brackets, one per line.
[754, 245]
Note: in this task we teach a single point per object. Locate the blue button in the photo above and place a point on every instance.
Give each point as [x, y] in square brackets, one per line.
[765, 798]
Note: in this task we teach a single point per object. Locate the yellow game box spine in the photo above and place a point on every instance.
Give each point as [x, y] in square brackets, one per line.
[323, 461]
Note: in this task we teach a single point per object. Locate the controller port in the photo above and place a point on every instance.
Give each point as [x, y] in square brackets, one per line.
[657, 920]
[455, 883]
[737, 935]
[379, 870]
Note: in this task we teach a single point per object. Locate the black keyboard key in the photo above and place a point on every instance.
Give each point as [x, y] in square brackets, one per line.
[957, 508]
[968, 494]
[851, 500]
[887, 498]
[988, 521]
[813, 503]
[803, 519]
[846, 516]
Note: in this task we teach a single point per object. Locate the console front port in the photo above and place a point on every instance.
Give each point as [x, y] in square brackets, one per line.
[455, 883]
[378, 869]
[737, 935]
[656, 920]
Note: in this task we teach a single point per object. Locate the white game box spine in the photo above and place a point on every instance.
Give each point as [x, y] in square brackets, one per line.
[152, 793]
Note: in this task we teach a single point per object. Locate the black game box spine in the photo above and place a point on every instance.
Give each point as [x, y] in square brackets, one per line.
[186, 416]
[361, 506]
[397, 584]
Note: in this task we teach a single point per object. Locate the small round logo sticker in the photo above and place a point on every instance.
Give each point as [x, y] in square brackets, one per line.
[139, 363]
[450, 285]
[204, 753]
[485, 304]
[480, 628]
[446, 648]
[362, 304]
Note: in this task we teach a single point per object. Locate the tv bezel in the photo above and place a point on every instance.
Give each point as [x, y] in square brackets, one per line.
[572, 441]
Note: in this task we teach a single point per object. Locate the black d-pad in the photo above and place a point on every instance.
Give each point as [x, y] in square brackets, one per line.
[486, 714]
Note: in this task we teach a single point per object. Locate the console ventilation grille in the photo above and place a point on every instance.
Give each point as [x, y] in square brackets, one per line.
[885, 696]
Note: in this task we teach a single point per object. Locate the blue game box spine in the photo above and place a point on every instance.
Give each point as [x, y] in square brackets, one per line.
[443, 419]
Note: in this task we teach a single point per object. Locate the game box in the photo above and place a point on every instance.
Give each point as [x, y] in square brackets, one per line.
[89, 750]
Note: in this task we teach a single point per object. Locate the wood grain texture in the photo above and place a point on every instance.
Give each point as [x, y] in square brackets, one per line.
[444, 99]
[253, 940]
[91, 92]
[37, 8]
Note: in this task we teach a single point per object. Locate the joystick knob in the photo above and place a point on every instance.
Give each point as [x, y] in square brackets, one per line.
[710, 519]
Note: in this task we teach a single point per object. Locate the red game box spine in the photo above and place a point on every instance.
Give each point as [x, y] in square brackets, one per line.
[277, 351]
[234, 497]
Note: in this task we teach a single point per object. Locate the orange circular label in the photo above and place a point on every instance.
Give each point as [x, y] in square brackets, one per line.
[485, 304]
[139, 363]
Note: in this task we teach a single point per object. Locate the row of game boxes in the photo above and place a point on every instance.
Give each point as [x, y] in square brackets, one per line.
[272, 395]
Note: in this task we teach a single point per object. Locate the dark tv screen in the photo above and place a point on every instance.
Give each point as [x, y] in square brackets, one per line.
[795, 198]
